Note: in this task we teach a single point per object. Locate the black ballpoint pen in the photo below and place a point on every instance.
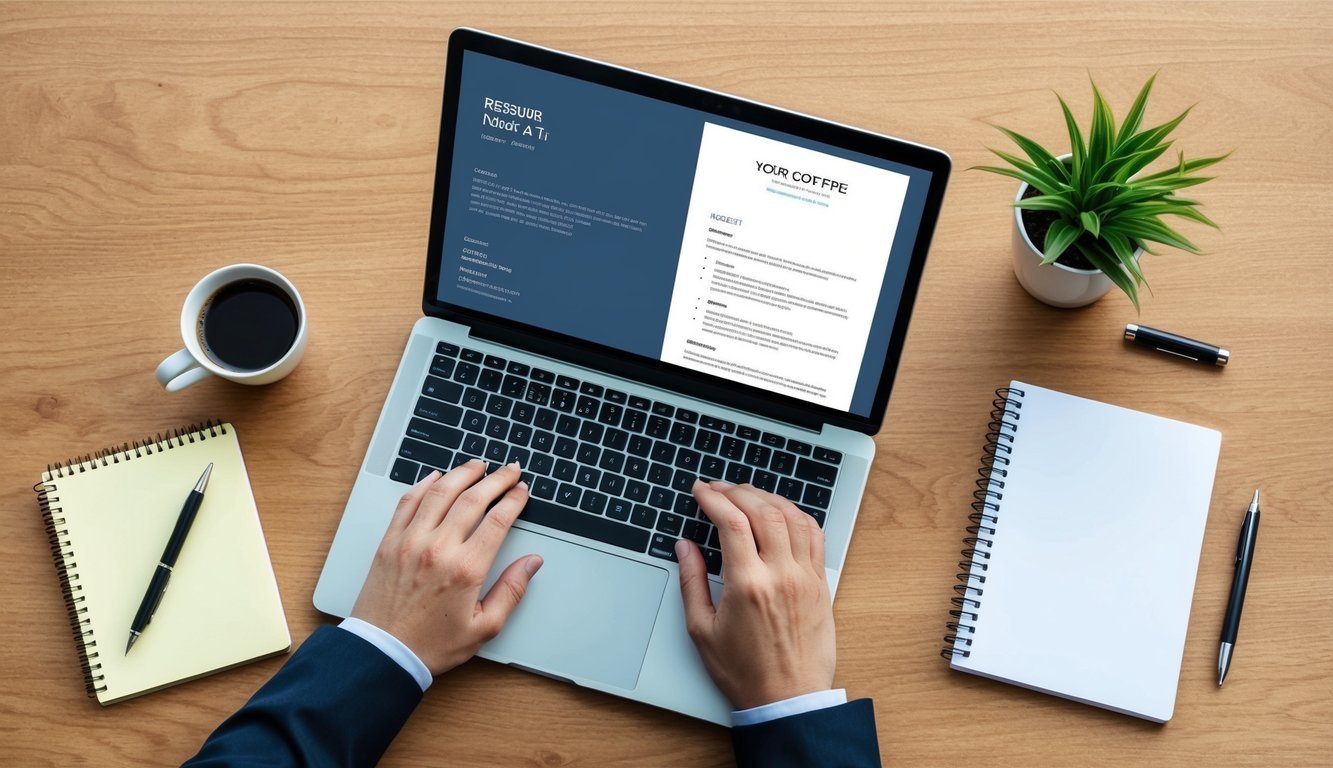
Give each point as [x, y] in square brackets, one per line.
[1249, 532]
[162, 574]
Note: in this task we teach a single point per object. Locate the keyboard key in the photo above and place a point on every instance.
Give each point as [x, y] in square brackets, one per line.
[658, 427]
[496, 451]
[637, 468]
[566, 382]
[799, 448]
[491, 361]
[712, 468]
[618, 509]
[765, 480]
[563, 400]
[474, 445]
[435, 433]
[686, 506]
[641, 403]
[817, 514]
[473, 398]
[713, 541]
[682, 434]
[637, 491]
[587, 407]
[565, 470]
[591, 432]
[732, 448]
[757, 455]
[514, 386]
[683, 481]
[616, 396]
[538, 394]
[669, 523]
[567, 426]
[611, 461]
[520, 434]
[569, 494]
[790, 489]
[473, 421]
[688, 460]
[544, 488]
[659, 474]
[662, 409]
[438, 411]
[640, 446]
[816, 496]
[689, 417]
[543, 441]
[442, 366]
[545, 418]
[542, 463]
[615, 439]
[541, 512]
[707, 440]
[497, 428]
[738, 474]
[713, 559]
[612, 485]
[523, 412]
[645, 516]
[708, 422]
[588, 454]
[816, 472]
[448, 391]
[425, 470]
[663, 452]
[824, 454]
[610, 414]
[772, 440]
[545, 377]
[490, 379]
[588, 477]
[783, 463]
[499, 405]
[517, 368]
[566, 447]
[593, 502]
[471, 355]
[589, 388]
[747, 433]
[661, 498]
[466, 373]
[445, 348]
[634, 420]
[461, 458]
[663, 547]
[696, 531]
[404, 471]
[424, 453]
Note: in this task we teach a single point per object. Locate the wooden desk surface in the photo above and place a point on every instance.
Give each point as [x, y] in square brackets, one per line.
[142, 145]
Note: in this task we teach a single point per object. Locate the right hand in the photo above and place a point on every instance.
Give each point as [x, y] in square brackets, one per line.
[771, 635]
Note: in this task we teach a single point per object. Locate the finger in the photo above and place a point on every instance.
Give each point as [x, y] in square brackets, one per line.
[767, 521]
[503, 596]
[798, 531]
[490, 534]
[733, 527]
[441, 494]
[407, 505]
[699, 610]
[816, 544]
[471, 505]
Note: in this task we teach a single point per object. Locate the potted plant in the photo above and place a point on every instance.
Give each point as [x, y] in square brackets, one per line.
[1090, 211]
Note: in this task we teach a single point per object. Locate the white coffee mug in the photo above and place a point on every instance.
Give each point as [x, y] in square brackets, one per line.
[194, 364]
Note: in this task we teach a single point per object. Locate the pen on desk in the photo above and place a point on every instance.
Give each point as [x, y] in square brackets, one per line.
[157, 586]
[1180, 346]
[1249, 532]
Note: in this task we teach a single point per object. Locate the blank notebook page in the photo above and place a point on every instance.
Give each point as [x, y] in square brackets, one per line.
[1092, 564]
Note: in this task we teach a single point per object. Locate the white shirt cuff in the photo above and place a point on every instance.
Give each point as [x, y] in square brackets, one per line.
[392, 647]
[806, 702]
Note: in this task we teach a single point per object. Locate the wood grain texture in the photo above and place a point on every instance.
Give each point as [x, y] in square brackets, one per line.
[142, 145]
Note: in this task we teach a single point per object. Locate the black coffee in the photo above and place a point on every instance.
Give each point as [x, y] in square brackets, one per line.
[249, 325]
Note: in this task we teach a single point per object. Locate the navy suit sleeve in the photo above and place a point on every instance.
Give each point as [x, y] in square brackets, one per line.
[338, 701]
[836, 737]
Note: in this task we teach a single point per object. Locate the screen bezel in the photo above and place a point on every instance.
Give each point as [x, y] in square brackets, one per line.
[655, 372]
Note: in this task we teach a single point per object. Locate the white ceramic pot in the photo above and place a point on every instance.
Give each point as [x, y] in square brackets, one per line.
[1054, 284]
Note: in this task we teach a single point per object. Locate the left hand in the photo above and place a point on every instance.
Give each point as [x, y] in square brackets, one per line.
[424, 586]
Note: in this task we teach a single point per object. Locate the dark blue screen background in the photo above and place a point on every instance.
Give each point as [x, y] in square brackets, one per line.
[628, 155]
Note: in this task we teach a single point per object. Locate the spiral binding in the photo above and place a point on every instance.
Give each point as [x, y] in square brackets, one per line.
[63, 555]
[1004, 417]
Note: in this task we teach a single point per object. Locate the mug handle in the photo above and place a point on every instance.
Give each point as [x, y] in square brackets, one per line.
[180, 371]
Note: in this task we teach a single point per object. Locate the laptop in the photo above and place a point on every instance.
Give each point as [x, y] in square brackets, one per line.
[632, 283]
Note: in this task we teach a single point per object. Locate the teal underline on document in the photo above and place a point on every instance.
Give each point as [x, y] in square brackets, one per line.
[809, 200]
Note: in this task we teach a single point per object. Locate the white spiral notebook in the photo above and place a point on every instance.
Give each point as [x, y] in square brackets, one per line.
[1083, 550]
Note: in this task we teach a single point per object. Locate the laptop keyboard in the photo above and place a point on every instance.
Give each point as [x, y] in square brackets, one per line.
[600, 463]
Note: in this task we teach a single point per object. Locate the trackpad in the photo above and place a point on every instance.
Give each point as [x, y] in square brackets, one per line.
[587, 614]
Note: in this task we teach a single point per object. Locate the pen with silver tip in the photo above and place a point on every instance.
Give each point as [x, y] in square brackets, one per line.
[1249, 532]
[157, 586]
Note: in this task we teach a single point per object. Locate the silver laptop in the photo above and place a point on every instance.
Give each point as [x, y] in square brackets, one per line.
[632, 283]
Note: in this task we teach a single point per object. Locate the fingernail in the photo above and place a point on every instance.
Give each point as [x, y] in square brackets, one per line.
[476, 461]
[515, 465]
[428, 479]
[532, 564]
[720, 485]
[523, 484]
[682, 549]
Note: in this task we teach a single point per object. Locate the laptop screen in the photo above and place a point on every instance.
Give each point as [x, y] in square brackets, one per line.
[687, 236]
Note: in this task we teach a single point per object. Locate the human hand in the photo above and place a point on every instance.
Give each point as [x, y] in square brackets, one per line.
[425, 582]
[771, 636]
